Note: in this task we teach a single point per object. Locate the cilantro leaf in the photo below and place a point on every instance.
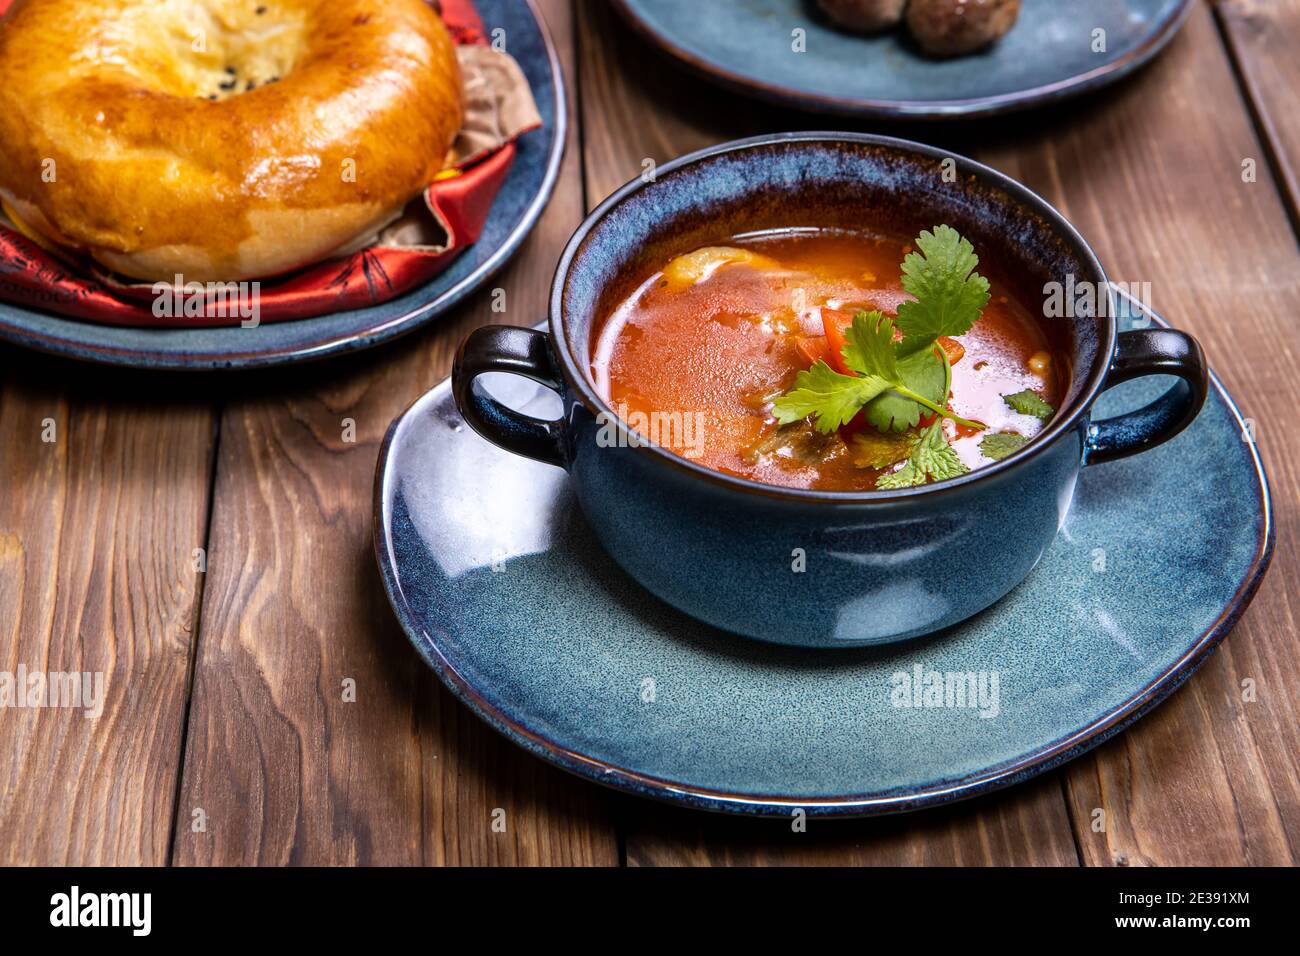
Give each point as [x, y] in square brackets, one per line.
[869, 346]
[949, 294]
[874, 449]
[1001, 444]
[833, 398]
[906, 477]
[935, 456]
[1030, 403]
[922, 372]
[932, 457]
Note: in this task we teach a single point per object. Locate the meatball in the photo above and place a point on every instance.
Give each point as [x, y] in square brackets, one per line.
[954, 27]
[863, 16]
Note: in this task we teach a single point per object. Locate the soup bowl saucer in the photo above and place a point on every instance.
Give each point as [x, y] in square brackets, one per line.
[503, 590]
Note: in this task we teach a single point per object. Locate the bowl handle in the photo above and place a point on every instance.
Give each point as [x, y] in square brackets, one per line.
[526, 352]
[1153, 351]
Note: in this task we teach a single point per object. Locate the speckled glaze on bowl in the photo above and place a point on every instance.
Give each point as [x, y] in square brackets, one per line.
[515, 211]
[502, 588]
[876, 566]
[746, 45]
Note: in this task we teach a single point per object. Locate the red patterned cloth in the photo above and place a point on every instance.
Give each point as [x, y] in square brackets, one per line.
[454, 209]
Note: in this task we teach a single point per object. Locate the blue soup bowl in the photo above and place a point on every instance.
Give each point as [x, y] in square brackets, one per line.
[825, 568]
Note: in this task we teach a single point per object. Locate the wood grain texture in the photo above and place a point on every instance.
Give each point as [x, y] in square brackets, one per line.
[97, 530]
[1151, 173]
[1264, 39]
[286, 771]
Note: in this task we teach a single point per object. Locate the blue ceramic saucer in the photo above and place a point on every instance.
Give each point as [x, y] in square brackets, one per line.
[515, 211]
[502, 588]
[746, 45]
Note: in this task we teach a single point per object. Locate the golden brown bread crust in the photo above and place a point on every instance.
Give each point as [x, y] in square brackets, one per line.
[111, 142]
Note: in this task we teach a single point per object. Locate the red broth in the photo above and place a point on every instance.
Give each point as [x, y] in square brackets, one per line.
[695, 355]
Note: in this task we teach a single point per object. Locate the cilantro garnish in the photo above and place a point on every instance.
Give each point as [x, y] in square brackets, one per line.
[950, 294]
[895, 381]
[932, 458]
[870, 351]
[926, 373]
[833, 398]
[1030, 403]
[1001, 444]
[906, 477]
[869, 346]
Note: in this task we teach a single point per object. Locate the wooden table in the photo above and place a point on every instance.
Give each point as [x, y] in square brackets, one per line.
[225, 736]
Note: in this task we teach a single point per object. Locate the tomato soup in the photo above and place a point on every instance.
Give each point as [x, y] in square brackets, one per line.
[708, 345]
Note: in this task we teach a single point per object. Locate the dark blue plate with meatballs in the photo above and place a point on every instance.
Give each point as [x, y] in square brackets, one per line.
[914, 59]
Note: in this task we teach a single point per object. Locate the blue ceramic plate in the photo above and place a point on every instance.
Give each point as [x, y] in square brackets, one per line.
[747, 46]
[515, 210]
[502, 588]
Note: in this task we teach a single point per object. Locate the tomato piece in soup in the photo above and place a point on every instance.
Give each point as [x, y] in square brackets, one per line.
[834, 322]
[953, 349]
[813, 349]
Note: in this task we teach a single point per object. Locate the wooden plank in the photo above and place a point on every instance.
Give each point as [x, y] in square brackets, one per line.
[281, 768]
[1152, 175]
[1263, 37]
[626, 121]
[97, 530]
